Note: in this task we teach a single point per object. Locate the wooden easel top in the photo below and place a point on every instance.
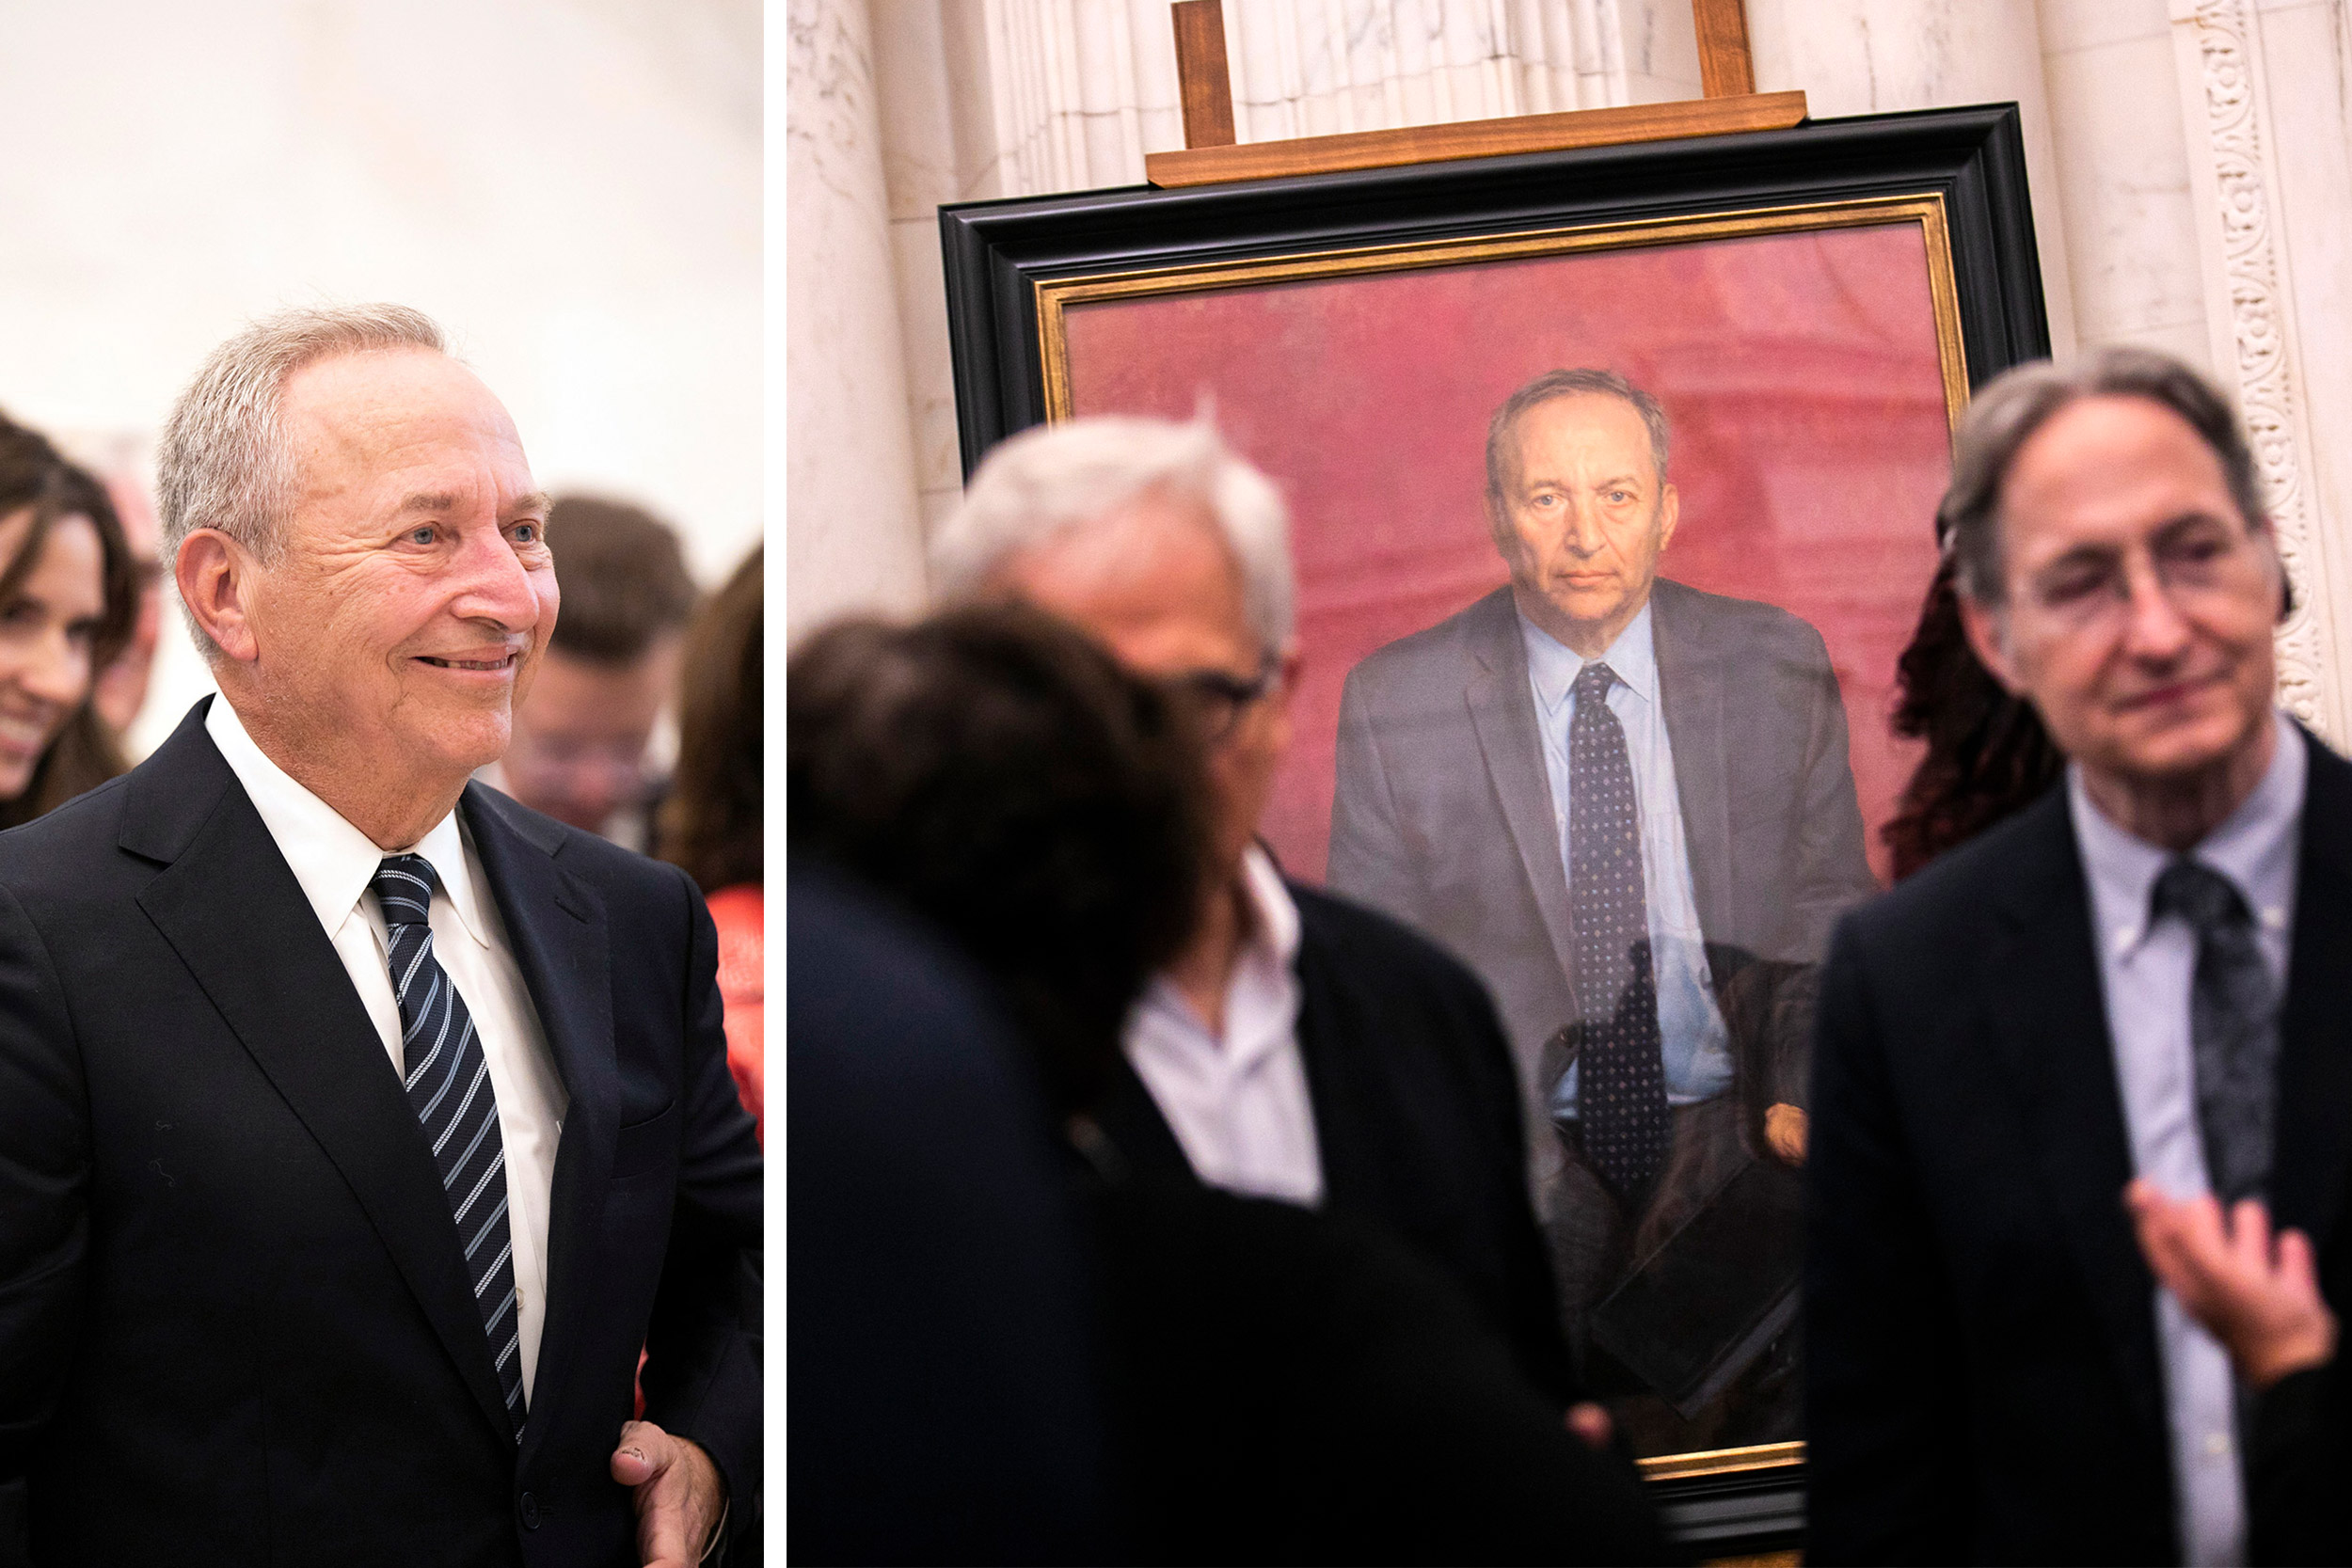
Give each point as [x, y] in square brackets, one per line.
[1211, 156]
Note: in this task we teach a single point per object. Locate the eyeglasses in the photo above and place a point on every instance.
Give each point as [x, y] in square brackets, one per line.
[2193, 560]
[1217, 699]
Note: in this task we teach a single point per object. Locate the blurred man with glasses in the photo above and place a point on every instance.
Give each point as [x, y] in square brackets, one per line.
[1303, 1048]
[585, 748]
[2138, 978]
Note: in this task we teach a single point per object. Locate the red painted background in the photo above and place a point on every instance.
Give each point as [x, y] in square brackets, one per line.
[1799, 371]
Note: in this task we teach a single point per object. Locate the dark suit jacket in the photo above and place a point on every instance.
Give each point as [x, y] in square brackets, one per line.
[1442, 814]
[234, 1324]
[944, 1389]
[1416, 1116]
[1983, 1376]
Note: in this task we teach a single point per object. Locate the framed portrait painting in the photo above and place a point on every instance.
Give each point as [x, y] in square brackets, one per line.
[1611, 476]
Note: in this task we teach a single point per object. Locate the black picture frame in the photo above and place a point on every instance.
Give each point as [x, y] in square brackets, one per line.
[1008, 261]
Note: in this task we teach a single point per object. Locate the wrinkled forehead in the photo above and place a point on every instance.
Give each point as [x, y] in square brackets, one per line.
[1579, 419]
[355, 418]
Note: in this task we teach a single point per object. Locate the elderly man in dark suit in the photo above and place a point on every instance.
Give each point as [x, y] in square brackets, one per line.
[2138, 977]
[357, 1126]
[1628, 804]
[1302, 1047]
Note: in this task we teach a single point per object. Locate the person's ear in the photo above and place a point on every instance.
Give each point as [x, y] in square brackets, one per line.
[1988, 639]
[216, 577]
[1669, 514]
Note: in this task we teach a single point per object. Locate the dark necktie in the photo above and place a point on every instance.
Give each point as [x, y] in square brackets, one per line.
[1621, 1083]
[2232, 1028]
[449, 1089]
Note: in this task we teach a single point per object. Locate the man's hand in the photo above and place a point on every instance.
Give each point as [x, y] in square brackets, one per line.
[1785, 1128]
[680, 1499]
[2259, 1296]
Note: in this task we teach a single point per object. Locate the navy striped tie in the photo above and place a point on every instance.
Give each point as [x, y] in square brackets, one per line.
[449, 1089]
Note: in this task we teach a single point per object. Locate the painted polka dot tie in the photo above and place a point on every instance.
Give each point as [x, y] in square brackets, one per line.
[1621, 1083]
[449, 1089]
[2232, 1028]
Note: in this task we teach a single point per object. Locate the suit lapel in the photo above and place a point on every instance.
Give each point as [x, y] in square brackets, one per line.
[2314, 1126]
[1691, 694]
[1503, 711]
[2049, 1021]
[555, 924]
[227, 895]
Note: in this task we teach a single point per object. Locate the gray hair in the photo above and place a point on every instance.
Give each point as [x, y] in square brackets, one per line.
[2004, 416]
[1565, 384]
[223, 463]
[1048, 481]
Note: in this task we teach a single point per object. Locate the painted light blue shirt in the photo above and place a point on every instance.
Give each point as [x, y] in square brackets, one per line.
[1695, 1048]
[2145, 971]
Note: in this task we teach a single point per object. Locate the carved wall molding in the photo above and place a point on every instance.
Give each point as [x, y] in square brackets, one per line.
[2251, 314]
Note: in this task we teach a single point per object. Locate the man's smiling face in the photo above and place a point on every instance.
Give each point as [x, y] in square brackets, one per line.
[413, 599]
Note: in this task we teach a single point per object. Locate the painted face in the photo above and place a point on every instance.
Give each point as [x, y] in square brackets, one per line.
[1585, 513]
[46, 629]
[408, 610]
[2137, 603]
[1156, 583]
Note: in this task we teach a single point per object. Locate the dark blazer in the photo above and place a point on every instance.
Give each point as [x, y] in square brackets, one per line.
[1983, 1376]
[1416, 1116]
[1442, 813]
[234, 1324]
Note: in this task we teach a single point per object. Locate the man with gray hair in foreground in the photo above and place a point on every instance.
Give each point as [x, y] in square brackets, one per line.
[358, 1125]
[2138, 978]
[1303, 1048]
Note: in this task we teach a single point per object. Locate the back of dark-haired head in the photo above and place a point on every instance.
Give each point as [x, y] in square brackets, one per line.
[1987, 756]
[2007, 412]
[711, 820]
[999, 774]
[624, 579]
[34, 475]
[1567, 383]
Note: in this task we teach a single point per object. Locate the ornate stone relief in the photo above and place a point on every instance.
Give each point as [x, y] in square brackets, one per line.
[2254, 337]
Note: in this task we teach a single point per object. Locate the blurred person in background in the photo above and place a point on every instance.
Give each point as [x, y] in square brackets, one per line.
[123, 683]
[1281, 1385]
[1986, 755]
[583, 736]
[710, 822]
[68, 599]
[1302, 1046]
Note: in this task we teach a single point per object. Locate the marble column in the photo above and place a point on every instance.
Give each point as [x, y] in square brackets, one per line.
[853, 541]
[1867, 56]
[2262, 84]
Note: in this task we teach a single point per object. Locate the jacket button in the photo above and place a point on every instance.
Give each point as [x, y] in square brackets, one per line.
[530, 1511]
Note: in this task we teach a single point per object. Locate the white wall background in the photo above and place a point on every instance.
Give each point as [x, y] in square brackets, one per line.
[571, 186]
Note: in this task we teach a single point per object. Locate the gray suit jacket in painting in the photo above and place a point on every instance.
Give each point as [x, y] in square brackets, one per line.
[1443, 817]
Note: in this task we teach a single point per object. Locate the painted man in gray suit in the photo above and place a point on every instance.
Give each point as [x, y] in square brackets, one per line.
[1628, 804]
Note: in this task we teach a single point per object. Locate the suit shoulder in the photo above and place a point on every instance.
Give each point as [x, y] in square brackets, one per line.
[1754, 625]
[1954, 894]
[1434, 650]
[1375, 948]
[68, 844]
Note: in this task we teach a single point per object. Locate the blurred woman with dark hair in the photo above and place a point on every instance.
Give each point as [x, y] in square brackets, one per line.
[1987, 756]
[711, 824]
[68, 593]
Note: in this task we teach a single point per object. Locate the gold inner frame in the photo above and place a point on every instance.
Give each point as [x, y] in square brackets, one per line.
[1056, 295]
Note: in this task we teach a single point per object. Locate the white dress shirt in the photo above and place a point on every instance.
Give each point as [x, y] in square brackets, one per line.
[334, 862]
[1238, 1105]
[1693, 1047]
[2146, 969]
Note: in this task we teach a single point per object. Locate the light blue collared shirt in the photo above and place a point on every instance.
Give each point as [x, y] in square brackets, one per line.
[1694, 1046]
[2145, 971]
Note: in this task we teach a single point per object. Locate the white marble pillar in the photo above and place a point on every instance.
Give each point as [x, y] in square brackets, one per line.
[852, 537]
[2262, 85]
[1866, 56]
